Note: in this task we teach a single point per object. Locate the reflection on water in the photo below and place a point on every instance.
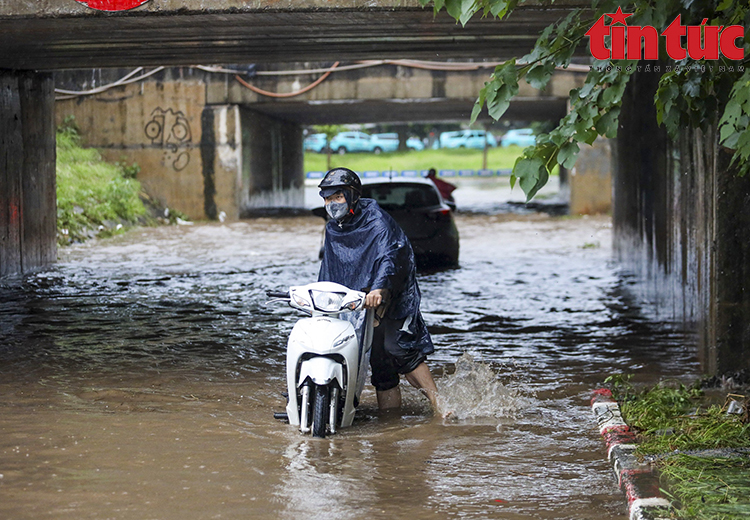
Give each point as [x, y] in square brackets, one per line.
[139, 376]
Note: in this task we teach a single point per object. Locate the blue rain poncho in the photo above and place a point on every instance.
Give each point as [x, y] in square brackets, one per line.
[370, 251]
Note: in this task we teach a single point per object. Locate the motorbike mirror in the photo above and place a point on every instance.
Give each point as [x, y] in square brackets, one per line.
[320, 212]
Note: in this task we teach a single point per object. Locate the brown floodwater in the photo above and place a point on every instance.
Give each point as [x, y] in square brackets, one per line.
[139, 376]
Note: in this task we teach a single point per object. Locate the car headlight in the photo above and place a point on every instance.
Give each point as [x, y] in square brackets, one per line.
[327, 301]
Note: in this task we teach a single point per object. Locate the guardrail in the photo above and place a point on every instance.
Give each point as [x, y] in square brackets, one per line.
[371, 174]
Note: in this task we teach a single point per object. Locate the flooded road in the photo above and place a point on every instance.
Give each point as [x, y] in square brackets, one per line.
[139, 376]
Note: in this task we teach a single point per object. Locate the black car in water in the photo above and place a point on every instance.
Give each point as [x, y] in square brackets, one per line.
[415, 204]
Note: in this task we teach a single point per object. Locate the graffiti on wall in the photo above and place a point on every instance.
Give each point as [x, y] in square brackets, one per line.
[171, 131]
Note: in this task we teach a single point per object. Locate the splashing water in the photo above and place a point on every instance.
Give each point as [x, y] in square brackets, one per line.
[474, 392]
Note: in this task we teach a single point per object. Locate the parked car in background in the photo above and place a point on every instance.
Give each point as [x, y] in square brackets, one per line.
[388, 142]
[415, 143]
[415, 204]
[347, 142]
[522, 137]
[385, 142]
[467, 139]
[315, 143]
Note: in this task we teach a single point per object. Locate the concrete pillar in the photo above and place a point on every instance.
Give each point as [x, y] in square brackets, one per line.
[221, 160]
[639, 199]
[28, 199]
[731, 338]
[590, 180]
[272, 159]
[683, 229]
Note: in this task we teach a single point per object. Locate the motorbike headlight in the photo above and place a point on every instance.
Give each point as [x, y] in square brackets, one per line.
[327, 301]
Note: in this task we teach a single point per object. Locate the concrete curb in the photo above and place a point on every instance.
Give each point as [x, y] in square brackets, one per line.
[636, 479]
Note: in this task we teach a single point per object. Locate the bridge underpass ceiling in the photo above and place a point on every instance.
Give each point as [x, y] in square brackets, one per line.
[58, 39]
[406, 111]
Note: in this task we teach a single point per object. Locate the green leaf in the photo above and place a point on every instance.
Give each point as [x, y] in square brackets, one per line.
[607, 124]
[500, 104]
[566, 157]
[478, 104]
[461, 10]
[529, 171]
[557, 137]
[498, 8]
[588, 136]
[613, 94]
[539, 75]
[587, 88]
[475, 111]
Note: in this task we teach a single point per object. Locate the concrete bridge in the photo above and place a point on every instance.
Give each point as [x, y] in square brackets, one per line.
[680, 213]
[207, 144]
[64, 34]
[39, 36]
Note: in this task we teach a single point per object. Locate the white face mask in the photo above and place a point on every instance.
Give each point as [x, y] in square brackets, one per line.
[337, 210]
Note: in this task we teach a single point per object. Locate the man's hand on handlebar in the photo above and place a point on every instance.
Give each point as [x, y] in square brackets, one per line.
[375, 298]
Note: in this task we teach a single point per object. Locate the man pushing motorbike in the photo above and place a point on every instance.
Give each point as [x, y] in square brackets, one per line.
[365, 249]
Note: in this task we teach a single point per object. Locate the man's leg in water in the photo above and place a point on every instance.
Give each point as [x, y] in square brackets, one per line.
[389, 399]
[385, 339]
[421, 378]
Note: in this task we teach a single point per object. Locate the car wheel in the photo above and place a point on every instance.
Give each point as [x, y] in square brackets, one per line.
[377, 150]
[341, 150]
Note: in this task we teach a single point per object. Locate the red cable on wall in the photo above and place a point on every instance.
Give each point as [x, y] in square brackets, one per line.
[289, 94]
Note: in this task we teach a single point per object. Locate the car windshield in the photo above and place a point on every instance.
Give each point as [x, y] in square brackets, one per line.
[402, 196]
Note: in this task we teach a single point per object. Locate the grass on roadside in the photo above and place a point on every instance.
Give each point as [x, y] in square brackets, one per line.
[446, 159]
[674, 424]
[708, 488]
[672, 417]
[94, 197]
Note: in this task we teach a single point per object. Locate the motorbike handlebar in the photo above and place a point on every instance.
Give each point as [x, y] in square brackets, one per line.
[275, 294]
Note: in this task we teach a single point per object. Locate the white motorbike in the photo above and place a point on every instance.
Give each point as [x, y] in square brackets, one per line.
[327, 356]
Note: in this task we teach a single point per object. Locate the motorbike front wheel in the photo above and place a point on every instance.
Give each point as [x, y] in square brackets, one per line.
[320, 411]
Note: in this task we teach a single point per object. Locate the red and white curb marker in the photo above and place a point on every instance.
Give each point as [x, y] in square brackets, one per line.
[638, 482]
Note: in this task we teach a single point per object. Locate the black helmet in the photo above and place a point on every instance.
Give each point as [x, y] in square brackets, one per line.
[337, 179]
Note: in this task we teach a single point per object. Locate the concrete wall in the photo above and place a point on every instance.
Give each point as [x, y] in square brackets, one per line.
[682, 229]
[273, 175]
[590, 180]
[27, 172]
[157, 125]
[203, 160]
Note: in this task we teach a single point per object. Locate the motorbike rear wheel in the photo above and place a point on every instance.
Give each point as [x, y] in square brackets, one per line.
[320, 411]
